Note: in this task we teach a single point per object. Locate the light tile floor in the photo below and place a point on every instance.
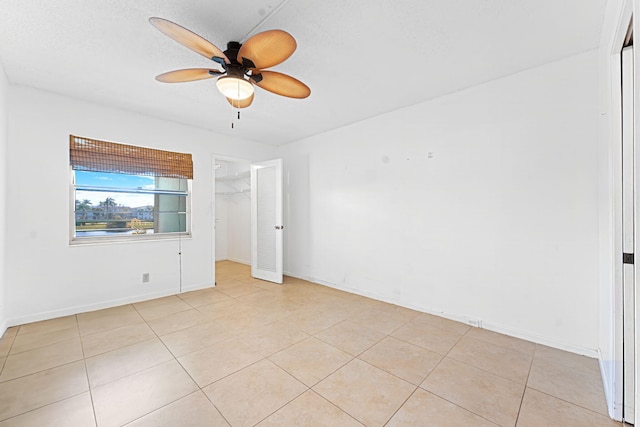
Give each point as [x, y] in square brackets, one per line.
[249, 352]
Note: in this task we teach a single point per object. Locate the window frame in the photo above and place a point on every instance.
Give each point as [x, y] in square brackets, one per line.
[125, 238]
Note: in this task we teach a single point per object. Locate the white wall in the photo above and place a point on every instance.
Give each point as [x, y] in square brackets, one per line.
[47, 277]
[239, 216]
[3, 193]
[480, 204]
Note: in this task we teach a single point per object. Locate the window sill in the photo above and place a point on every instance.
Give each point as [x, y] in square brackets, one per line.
[87, 241]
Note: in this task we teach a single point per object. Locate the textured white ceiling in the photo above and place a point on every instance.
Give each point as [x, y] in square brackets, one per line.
[361, 58]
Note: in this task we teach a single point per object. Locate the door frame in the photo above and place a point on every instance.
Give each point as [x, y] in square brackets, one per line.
[615, 388]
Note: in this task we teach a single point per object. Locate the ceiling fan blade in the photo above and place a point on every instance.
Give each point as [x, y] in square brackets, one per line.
[268, 48]
[187, 75]
[282, 84]
[241, 103]
[188, 38]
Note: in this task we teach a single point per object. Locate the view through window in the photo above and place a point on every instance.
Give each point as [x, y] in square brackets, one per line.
[119, 204]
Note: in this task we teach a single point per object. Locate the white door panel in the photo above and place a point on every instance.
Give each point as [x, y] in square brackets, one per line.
[266, 220]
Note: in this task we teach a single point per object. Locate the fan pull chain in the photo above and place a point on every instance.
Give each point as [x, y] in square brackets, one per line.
[233, 120]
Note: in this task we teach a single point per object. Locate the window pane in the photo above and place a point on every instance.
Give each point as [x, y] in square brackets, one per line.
[124, 181]
[99, 213]
[171, 222]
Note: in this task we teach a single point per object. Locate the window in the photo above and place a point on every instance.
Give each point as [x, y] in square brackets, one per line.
[124, 192]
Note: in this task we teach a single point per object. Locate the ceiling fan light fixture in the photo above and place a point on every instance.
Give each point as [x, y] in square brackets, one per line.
[234, 88]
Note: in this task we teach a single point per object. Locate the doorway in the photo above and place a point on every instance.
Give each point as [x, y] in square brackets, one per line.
[233, 211]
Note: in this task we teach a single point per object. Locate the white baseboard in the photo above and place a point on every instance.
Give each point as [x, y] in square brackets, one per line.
[3, 328]
[584, 351]
[615, 412]
[98, 306]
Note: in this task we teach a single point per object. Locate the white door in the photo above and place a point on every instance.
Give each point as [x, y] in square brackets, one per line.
[266, 220]
[628, 230]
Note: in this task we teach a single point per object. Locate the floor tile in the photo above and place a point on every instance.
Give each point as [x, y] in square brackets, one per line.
[565, 359]
[75, 411]
[487, 395]
[120, 363]
[350, 337]
[219, 360]
[539, 409]
[424, 409]
[510, 364]
[41, 358]
[365, 392]
[52, 325]
[379, 320]
[502, 340]
[159, 307]
[125, 400]
[442, 323]
[223, 283]
[43, 388]
[249, 396]
[41, 338]
[177, 321]
[198, 337]
[239, 290]
[573, 384]
[427, 336]
[113, 339]
[194, 410]
[311, 360]
[110, 318]
[406, 313]
[271, 338]
[221, 309]
[203, 297]
[404, 360]
[314, 321]
[6, 342]
[310, 409]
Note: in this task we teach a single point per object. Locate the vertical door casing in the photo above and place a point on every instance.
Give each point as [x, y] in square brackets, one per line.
[266, 220]
[628, 233]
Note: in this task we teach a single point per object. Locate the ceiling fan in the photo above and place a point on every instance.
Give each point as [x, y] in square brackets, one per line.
[243, 64]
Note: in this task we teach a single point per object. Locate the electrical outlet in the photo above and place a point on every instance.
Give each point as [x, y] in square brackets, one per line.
[145, 277]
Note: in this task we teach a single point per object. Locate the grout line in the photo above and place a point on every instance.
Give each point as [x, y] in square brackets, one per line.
[334, 405]
[86, 372]
[572, 403]
[44, 406]
[214, 405]
[401, 406]
[526, 385]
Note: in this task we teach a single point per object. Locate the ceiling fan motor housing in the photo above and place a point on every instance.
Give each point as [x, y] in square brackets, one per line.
[232, 51]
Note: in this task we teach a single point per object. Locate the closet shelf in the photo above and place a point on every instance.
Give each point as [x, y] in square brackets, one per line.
[233, 177]
[230, 193]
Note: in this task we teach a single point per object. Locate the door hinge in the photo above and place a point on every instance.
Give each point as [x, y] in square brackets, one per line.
[627, 258]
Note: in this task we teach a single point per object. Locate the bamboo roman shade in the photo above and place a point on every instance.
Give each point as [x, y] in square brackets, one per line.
[100, 156]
